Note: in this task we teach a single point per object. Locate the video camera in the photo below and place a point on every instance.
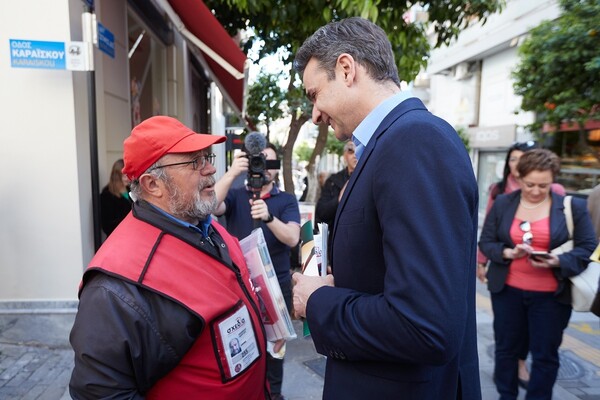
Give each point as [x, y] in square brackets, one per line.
[255, 143]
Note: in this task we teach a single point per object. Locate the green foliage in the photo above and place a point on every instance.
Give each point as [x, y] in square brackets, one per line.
[559, 70]
[464, 136]
[303, 151]
[334, 146]
[278, 25]
[265, 98]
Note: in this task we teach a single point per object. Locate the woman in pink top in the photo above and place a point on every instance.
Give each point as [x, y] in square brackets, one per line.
[532, 293]
[509, 184]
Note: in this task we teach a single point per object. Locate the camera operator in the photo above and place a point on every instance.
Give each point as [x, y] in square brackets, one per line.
[277, 213]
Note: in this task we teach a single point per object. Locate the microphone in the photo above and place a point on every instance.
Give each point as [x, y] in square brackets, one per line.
[255, 142]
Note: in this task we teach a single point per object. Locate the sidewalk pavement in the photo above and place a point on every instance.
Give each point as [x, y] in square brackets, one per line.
[36, 359]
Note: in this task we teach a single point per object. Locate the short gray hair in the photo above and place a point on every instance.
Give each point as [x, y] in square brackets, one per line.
[158, 173]
[359, 37]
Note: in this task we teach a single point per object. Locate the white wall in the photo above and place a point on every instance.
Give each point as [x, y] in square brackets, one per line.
[40, 226]
[498, 99]
[113, 88]
[517, 18]
[454, 100]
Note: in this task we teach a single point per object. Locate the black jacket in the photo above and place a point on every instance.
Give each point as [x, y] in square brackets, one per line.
[112, 210]
[495, 236]
[165, 329]
[328, 202]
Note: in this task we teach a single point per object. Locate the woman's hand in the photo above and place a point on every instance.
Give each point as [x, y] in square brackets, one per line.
[551, 261]
[520, 250]
[481, 272]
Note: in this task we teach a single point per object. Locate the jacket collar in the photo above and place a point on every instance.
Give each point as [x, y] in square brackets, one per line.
[407, 105]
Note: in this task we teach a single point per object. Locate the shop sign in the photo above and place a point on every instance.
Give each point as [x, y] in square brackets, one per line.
[106, 40]
[37, 54]
[73, 56]
[492, 136]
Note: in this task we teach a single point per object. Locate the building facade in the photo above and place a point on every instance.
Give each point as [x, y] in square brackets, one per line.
[469, 84]
[63, 129]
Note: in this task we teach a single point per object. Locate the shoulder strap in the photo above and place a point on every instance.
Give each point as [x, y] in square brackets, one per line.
[569, 215]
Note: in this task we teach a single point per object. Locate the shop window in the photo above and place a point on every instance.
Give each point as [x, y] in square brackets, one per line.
[580, 158]
[147, 75]
[490, 169]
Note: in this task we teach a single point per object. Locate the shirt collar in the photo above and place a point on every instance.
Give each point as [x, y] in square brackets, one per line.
[365, 130]
[201, 228]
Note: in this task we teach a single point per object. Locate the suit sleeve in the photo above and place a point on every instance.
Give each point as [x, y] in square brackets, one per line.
[420, 204]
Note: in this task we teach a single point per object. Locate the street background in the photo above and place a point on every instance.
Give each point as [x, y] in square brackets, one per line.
[36, 358]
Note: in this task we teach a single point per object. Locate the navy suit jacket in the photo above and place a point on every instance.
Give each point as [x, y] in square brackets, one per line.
[495, 236]
[400, 321]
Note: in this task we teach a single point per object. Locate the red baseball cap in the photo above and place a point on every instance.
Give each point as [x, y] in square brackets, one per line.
[157, 136]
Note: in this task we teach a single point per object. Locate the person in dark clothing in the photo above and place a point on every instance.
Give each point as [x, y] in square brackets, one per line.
[115, 203]
[333, 189]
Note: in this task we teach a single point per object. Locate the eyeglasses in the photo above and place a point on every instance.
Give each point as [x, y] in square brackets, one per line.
[527, 235]
[197, 163]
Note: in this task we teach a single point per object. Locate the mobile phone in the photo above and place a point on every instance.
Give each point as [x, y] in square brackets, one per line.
[540, 255]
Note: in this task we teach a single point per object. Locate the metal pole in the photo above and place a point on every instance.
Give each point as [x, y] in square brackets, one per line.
[89, 29]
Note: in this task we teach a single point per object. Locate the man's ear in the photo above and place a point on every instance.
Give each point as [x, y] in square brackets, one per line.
[346, 66]
[152, 186]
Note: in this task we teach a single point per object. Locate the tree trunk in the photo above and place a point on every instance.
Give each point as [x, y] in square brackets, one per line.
[288, 149]
[311, 168]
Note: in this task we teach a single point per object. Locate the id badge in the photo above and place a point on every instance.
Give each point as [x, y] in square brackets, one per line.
[236, 342]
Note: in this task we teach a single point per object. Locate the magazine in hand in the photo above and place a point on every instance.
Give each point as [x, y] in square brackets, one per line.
[314, 253]
[274, 313]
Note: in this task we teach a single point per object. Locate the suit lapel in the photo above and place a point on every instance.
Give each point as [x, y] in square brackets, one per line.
[401, 109]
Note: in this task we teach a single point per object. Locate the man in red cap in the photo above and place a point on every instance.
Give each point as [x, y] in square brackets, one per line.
[169, 289]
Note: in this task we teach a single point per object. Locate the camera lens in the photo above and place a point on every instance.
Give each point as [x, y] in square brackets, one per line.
[257, 164]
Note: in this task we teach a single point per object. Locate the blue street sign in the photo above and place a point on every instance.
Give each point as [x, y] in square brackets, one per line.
[106, 40]
[37, 54]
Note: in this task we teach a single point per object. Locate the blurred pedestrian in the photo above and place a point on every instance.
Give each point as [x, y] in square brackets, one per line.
[509, 184]
[334, 186]
[400, 320]
[529, 291]
[115, 202]
[169, 289]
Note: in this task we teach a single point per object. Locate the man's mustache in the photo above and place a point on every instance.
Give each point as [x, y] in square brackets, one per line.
[209, 182]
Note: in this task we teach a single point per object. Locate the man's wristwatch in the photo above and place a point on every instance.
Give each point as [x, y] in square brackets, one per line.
[270, 219]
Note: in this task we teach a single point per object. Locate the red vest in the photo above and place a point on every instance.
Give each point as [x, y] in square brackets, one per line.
[204, 285]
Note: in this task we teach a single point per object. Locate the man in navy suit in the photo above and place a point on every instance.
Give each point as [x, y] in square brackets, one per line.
[399, 323]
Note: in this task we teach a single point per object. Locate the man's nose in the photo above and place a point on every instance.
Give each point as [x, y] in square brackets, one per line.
[208, 169]
[316, 116]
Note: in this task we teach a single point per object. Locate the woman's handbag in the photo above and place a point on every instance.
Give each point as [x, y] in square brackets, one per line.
[585, 285]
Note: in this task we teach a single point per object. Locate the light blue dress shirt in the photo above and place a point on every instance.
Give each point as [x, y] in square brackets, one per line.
[365, 130]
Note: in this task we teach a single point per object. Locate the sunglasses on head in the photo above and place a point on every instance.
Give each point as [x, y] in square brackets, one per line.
[524, 146]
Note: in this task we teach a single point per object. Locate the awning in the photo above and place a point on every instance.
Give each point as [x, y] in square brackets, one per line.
[225, 59]
[571, 126]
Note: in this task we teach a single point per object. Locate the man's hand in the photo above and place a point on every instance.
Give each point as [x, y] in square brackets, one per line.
[259, 209]
[239, 164]
[304, 286]
[278, 345]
